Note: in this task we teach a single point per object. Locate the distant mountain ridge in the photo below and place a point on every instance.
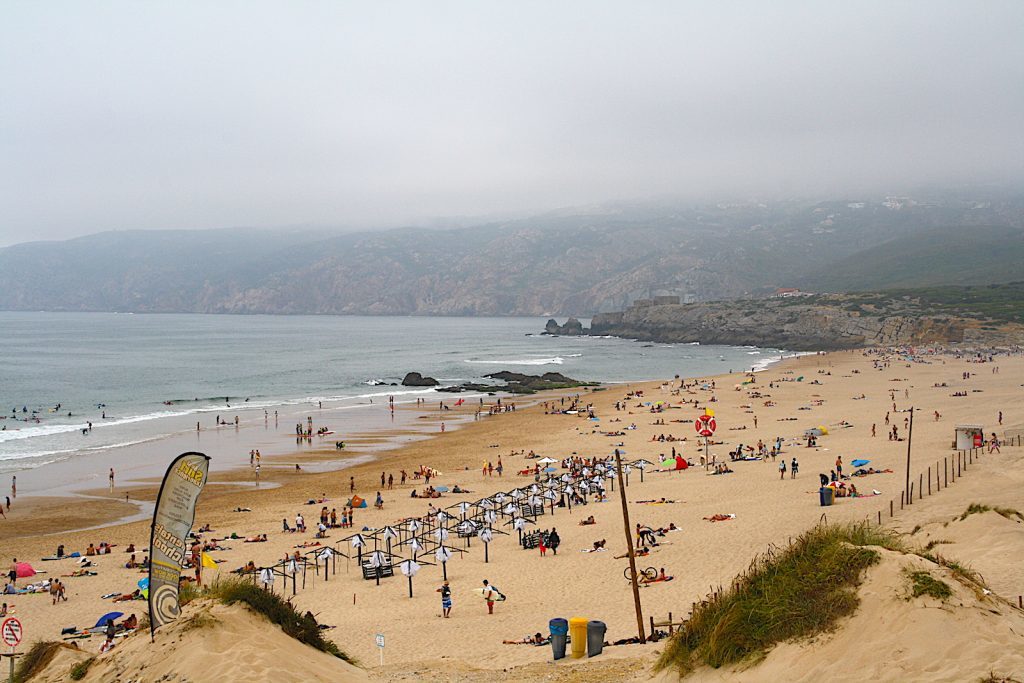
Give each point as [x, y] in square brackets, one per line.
[562, 263]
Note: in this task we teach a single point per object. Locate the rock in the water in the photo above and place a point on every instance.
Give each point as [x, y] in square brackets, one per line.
[415, 379]
[571, 328]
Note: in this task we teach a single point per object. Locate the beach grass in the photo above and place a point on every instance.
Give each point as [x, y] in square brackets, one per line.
[78, 671]
[923, 583]
[794, 592]
[277, 610]
[978, 508]
[36, 659]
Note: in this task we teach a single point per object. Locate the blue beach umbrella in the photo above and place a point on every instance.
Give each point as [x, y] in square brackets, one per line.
[109, 616]
[859, 463]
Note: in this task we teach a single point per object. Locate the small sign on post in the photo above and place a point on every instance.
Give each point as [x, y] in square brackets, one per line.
[10, 633]
[380, 646]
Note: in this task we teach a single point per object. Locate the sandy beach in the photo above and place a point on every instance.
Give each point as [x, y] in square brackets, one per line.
[848, 393]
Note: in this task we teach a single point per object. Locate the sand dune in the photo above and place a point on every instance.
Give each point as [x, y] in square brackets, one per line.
[209, 642]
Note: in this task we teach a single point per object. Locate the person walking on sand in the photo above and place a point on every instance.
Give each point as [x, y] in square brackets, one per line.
[490, 594]
[351, 484]
[782, 469]
[794, 467]
[446, 599]
[993, 445]
[110, 477]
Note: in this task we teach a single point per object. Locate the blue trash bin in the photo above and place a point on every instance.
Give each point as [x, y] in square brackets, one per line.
[826, 495]
[559, 633]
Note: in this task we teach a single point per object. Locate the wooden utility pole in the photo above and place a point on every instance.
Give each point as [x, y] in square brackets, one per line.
[629, 549]
[910, 438]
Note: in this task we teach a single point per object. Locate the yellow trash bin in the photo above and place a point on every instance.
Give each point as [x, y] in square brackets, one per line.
[578, 637]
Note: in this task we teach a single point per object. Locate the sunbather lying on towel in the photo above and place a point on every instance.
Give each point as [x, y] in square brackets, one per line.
[720, 517]
[660, 577]
[535, 639]
[588, 521]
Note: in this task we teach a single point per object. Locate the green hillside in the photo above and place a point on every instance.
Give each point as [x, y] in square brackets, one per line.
[964, 255]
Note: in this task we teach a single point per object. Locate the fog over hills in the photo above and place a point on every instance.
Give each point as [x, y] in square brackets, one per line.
[570, 262]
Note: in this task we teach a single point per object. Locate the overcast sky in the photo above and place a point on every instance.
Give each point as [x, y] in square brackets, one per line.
[118, 115]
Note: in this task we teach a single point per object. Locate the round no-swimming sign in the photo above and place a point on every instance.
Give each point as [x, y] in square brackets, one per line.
[10, 631]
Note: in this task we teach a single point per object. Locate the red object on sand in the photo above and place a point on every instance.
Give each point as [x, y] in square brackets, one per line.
[25, 570]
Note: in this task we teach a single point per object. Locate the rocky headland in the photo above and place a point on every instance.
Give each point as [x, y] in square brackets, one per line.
[809, 323]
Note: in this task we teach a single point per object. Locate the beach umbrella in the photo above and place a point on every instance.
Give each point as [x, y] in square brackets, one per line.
[442, 555]
[533, 500]
[464, 508]
[490, 517]
[517, 494]
[486, 535]
[486, 503]
[109, 616]
[442, 516]
[24, 570]
[357, 541]
[499, 498]
[534, 489]
[566, 478]
[859, 463]
[546, 461]
[415, 525]
[389, 533]
[409, 568]
[377, 560]
[642, 465]
[518, 523]
[441, 534]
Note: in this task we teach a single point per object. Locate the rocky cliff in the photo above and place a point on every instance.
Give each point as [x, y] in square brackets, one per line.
[805, 324]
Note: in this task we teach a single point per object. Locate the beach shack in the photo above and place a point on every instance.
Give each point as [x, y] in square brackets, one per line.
[969, 436]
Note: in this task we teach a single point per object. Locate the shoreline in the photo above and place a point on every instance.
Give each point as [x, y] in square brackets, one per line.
[363, 446]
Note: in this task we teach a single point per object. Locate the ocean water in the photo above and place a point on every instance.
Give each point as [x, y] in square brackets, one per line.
[142, 378]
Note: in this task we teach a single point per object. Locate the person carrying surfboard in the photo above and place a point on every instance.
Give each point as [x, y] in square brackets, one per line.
[491, 595]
